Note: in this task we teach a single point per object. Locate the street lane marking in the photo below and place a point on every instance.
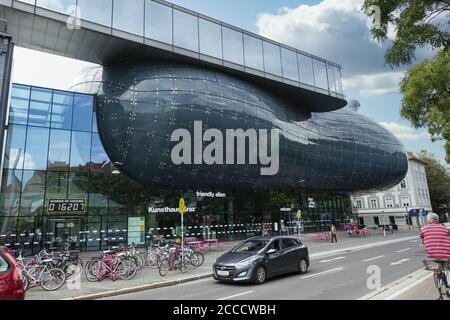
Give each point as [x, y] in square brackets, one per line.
[399, 262]
[236, 295]
[415, 240]
[324, 272]
[329, 260]
[403, 250]
[373, 258]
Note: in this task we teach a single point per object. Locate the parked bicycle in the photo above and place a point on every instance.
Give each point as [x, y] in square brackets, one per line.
[42, 271]
[116, 265]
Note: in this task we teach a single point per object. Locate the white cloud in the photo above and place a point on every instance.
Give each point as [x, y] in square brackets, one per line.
[46, 70]
[374, 84]
[403, 132]
[338, 30]
[334, 29]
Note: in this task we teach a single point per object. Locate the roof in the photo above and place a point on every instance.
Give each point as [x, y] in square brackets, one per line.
[412, 156]
[46, 27]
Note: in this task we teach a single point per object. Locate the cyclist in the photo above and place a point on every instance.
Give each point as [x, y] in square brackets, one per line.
[436, 240]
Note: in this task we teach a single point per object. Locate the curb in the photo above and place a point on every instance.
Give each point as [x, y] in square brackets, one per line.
[397, 283]
[146, 287]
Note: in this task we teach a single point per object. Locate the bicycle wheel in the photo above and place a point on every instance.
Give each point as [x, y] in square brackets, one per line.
[138, 261]
[201, 258]
[94, 273]
[185, 265]
[87, 267]
[193, 261]
[152, 261]
[126, 270]
[164, 267]
[25, 281]
[53, 279]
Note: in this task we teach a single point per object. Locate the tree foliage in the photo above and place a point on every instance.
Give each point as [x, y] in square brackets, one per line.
[426, 97]
[438, 183]
[417, 23]
[426, 86]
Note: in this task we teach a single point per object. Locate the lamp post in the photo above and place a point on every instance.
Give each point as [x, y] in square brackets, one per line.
[384, 226]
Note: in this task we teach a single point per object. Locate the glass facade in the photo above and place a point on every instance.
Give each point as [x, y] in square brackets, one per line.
[163, 22]
[57, 154]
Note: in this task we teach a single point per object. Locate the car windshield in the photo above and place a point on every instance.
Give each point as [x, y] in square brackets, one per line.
[250, 246]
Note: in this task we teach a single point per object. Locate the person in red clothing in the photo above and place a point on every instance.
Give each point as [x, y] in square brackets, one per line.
[436, 241]
[436, 238]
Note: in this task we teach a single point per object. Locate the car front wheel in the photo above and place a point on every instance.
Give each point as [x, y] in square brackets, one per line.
[260, 275]
[302, 266]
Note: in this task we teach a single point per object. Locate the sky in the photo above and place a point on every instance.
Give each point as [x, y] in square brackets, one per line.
[333, 29]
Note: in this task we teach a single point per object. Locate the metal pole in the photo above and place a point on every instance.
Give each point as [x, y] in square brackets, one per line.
[182, 242]
[384, 226]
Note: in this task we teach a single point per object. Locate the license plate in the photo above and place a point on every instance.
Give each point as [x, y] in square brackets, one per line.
[223, 273]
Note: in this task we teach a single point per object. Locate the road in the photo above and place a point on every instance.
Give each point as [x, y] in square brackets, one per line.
[334, 276]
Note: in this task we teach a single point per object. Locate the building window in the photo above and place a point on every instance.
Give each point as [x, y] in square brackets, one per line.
[389, 202]
[405, 201]
[403, 184]
[359, 204]
[373, 203]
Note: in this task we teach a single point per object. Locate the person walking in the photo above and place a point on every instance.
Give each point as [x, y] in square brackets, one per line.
[333, 233]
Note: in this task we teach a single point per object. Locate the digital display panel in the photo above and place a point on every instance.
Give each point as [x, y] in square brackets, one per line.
[66, 206]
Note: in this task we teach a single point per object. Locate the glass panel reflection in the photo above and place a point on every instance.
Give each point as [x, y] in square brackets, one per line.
[57, 183]
[185, 33]
[210, 39]
[20, 99]
[272, 58]
[63, 6]
[128, 15]
[232, 46]
[82, 114]
[62, 110]
[98, 11]
[59, 150]
[337, 75]
[320, 74]
[331, 79]
[99, 159]
[158, 22]
[289, 63]
[33, 191]
[253, 50]
[10, 195]
[80, 154]
[305, 65]
[36, 149]
[40, 107]
[78, 185]
[15, 147]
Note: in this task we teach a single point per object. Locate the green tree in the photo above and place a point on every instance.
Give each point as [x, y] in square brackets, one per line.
[426, 97]
[426, 86]
[438, 183]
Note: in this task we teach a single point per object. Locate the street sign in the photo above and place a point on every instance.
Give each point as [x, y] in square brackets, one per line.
[182, 206]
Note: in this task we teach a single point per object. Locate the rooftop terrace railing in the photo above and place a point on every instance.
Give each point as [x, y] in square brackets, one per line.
[164, 25]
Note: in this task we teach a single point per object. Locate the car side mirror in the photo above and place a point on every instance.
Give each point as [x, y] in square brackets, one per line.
[270, 251]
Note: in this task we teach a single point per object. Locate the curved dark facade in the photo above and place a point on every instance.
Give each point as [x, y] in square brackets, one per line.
[140, 105]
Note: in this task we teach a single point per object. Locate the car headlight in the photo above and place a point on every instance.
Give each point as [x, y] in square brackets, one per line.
[245, 263]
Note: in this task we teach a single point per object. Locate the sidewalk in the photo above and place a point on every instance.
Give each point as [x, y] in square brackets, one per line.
[147, 278]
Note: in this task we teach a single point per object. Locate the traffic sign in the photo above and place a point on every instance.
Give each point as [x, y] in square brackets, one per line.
[181, 206]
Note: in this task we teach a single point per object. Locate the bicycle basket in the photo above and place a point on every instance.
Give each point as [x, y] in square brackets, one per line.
[436, 264]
